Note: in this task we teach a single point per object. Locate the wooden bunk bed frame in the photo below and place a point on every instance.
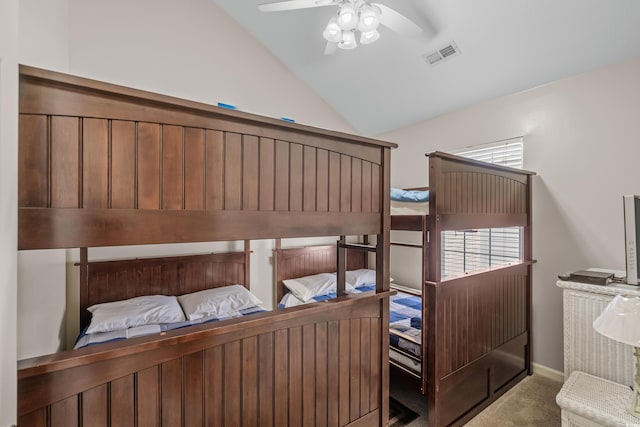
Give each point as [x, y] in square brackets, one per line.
[476, 329]
[104, 165]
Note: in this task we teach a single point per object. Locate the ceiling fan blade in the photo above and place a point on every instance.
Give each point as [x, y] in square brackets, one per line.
[330, 48]
[397, 22]
[293, 5]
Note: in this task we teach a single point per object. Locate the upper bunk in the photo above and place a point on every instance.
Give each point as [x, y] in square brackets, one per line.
[468, 194]
[106, 165]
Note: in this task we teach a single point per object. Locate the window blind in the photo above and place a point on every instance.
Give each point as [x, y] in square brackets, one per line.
[474, 250]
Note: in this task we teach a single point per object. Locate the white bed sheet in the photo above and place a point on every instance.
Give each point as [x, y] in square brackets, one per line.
[409, 208]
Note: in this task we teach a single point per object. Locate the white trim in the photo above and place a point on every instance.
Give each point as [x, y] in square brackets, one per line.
[547, 372]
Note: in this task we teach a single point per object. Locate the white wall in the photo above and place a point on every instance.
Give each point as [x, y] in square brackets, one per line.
[581, 136]
[189, 49]
[8, 203]
[44, 43]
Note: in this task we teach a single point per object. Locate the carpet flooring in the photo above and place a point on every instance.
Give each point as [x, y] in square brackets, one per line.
[530, 403]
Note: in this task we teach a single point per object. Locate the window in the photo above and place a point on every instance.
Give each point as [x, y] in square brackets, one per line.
[473, 250]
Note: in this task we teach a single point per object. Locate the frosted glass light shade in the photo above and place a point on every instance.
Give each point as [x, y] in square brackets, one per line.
[332, 33]
[620, 320]
[348, 40]
[347, 17]
[369, 37]
[369, 19]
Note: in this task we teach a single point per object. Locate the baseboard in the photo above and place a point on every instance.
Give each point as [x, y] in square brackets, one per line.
[547, 372]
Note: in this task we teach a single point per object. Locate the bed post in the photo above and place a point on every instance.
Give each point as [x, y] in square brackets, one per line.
[382, 281]
[528, 256]
[342, 266]
[430, 381]
[247, 264]
[84, 287]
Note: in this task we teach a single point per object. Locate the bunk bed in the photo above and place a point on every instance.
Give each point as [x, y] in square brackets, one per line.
[474, 334]
[103, 165]
[470, 336]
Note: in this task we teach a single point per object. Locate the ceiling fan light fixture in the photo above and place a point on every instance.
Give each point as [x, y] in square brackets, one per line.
[332, 33]
[348, 40]
[369, 18]
[369, 36]
[347, 17]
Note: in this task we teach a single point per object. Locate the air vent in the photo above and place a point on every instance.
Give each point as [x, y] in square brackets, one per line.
[445, 52]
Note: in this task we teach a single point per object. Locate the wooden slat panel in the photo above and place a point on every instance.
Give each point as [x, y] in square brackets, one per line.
[194, 173]
[322, 184]
[172, 167]
[334, 182]
[94, 407]
[295, 376]
[345, 183]
[345, 372]
[356, 182]
[282, 176]
[64, 162]
[33, 162]
[213, 383]
[37, 418]
[478, 315]
[374, 384]
[232, 171]
[366, 187]
[123, 165]
[250, 170]
[281, 377]
[267, 174]
[333, 373]
[266, 395]
[122, 401]
[172, 392]
[249, 383]
[321, 369]
[375, 188]
[148, 158]
[365, 365]
[214, 171]
[95, 163]
[232, 393]
[63, 413]
[295, 177]
[148, 397]
[194, 389]
[308, 375]
[309, 177]
[354, 378]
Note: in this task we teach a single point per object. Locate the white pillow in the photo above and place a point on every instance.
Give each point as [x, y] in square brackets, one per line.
[217, 301]
[307, 287]
[362, 277]
[119, 315]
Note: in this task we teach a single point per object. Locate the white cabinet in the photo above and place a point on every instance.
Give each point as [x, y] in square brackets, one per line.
[586, 350]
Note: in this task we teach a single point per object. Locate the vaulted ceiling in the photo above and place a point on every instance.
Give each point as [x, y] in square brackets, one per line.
[505, 46]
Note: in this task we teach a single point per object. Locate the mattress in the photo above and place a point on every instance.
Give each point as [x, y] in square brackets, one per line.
[85, 340]
[409, 208]
[402, 359]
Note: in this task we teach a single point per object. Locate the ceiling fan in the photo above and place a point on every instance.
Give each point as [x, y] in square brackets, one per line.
[352, 16]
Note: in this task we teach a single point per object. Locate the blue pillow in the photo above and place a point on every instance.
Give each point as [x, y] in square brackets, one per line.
[400, 195]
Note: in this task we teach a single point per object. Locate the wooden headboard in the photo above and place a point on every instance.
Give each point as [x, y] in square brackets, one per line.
[108, 281]
[304, 261]
[106, 165]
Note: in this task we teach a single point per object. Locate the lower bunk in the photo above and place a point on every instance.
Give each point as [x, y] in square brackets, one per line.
[303, 366]
[463, 345]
